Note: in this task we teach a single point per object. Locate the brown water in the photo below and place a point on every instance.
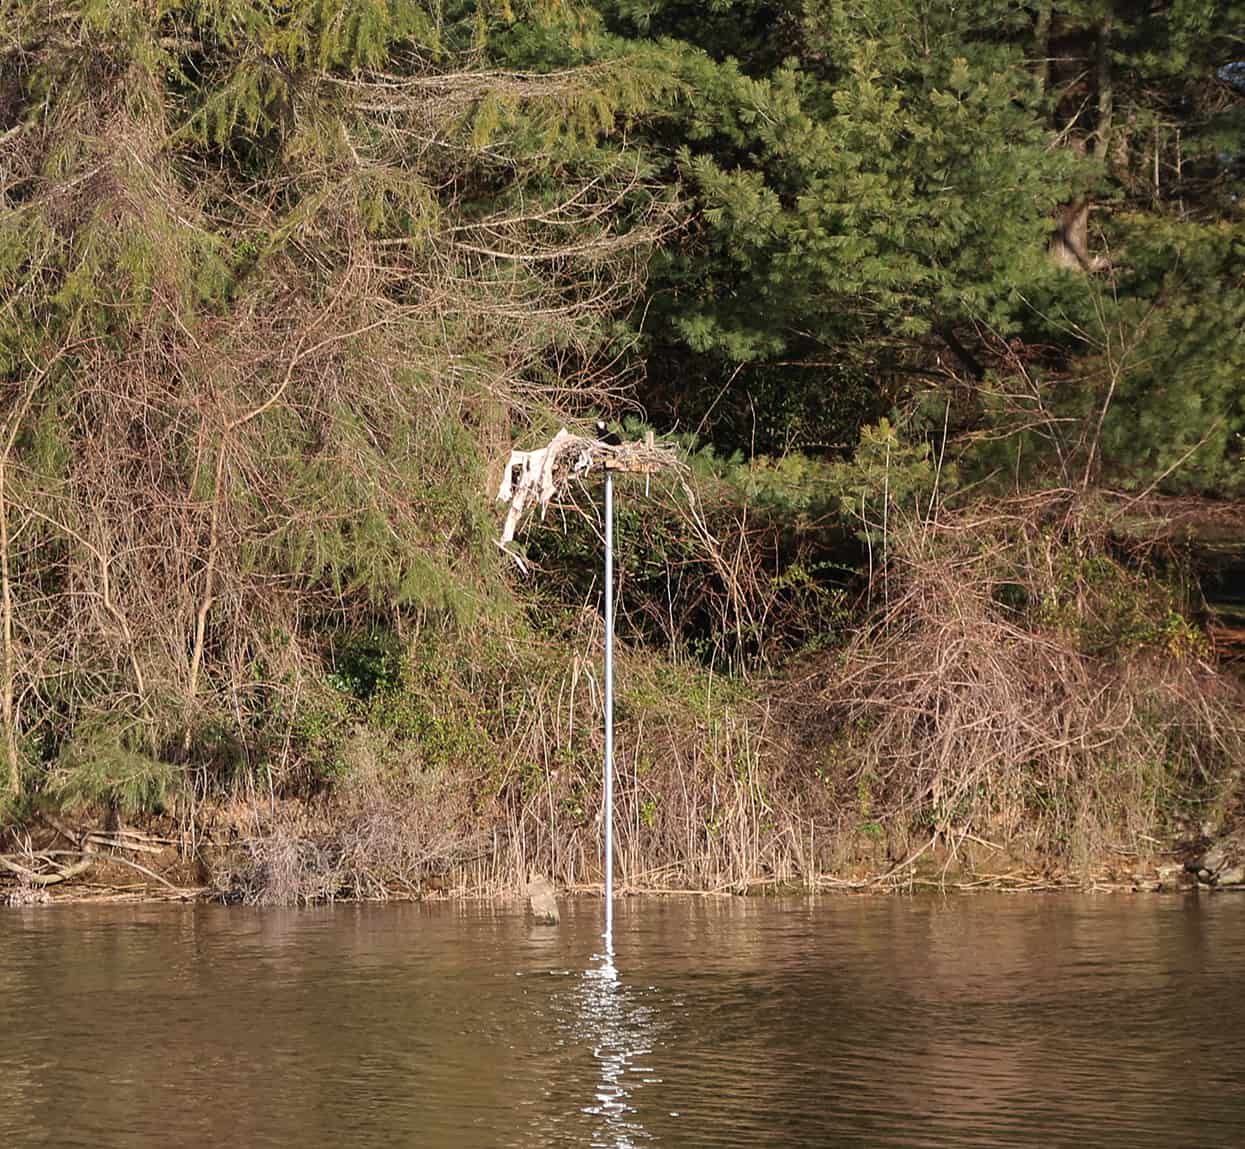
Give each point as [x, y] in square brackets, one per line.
[983, 1021]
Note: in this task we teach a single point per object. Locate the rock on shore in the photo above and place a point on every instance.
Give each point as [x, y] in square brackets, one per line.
[1222, 864]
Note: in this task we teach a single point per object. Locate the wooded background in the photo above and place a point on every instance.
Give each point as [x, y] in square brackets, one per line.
[908, 281]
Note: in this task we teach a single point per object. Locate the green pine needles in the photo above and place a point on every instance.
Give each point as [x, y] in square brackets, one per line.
[277, 279]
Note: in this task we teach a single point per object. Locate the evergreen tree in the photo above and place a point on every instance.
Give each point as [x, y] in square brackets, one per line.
[277, 278]
[967, 211]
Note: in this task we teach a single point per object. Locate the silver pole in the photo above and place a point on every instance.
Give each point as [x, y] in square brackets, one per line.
[609, 707]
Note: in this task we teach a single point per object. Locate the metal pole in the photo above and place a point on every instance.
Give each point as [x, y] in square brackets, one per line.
[609, 707]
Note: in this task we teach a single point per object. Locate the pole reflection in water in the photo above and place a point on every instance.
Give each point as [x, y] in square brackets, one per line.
[620, 1030]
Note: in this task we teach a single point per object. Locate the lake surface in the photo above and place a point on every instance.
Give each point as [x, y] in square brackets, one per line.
[969, 1021]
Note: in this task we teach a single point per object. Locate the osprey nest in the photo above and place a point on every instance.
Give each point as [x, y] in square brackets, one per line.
[538, 476]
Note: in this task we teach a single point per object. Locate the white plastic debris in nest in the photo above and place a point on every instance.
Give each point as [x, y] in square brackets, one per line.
[535, 476]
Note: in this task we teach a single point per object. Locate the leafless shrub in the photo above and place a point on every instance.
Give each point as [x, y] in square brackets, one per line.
[281, 868]
[1022, 683]
[390, 828]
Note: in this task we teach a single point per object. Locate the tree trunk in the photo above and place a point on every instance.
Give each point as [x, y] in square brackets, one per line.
[12, 775]
[1106, 93]
[8, 741]
[1041, 44]
[1070, 244]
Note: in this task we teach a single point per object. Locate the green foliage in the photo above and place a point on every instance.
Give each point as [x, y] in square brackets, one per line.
[1178, 416]
[876, 187]
[1110, 610]
[886, 472]
[870, 189]
[411, 703]
[1152, 402]
[318, 733]
[101, 765]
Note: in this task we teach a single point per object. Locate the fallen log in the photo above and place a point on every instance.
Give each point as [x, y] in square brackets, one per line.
[35, 878]
[88, 858]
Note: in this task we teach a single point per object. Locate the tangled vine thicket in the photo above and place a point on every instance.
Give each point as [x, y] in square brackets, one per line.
[1025, 680]
[248, 399]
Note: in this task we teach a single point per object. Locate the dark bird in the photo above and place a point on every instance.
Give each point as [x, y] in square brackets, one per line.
[606, 436]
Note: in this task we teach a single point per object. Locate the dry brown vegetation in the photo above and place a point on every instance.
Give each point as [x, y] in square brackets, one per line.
[700, 803]
[1025, 681]
[1026, 694]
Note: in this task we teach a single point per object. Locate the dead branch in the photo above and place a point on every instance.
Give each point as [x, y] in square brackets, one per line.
[62, 874]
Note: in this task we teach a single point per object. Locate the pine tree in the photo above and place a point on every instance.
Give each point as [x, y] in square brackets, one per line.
[276, 279]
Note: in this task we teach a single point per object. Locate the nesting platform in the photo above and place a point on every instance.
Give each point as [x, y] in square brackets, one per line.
[540, 475]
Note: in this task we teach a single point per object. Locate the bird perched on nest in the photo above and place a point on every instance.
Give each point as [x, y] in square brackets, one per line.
[605, 435]
[540, 895]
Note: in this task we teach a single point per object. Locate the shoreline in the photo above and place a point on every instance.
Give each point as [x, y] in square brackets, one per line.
[157, 861]
[19, 897]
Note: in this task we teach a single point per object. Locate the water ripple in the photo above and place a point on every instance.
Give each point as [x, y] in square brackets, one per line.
[1107, 1022]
